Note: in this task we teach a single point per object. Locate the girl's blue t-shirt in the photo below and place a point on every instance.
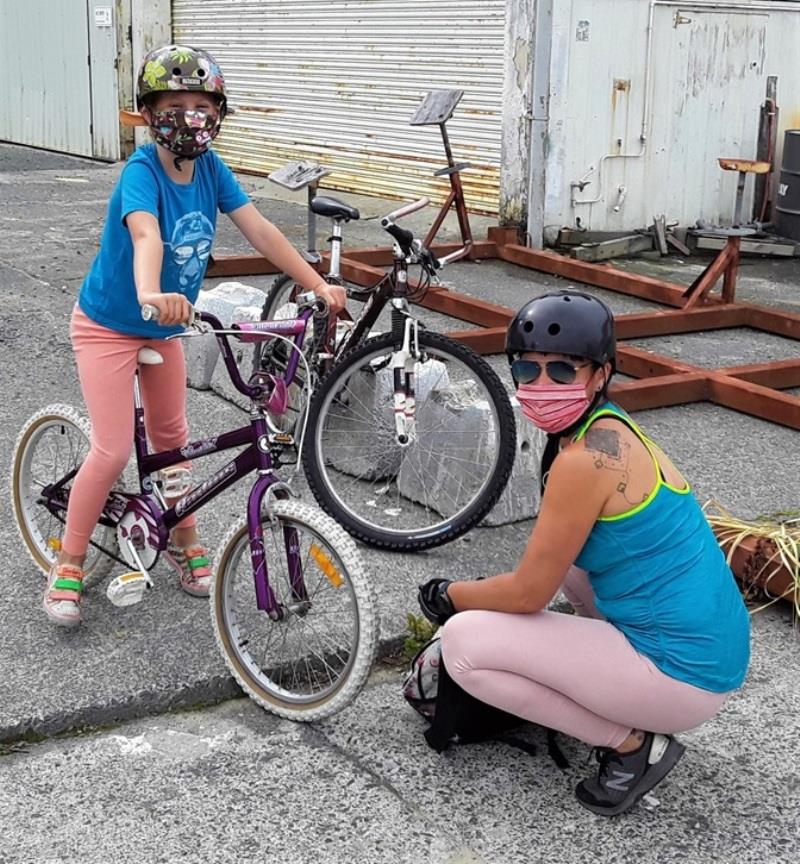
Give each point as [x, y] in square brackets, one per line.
[187, 217]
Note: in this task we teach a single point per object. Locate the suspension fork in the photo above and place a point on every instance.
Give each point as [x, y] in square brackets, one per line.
[405, 330]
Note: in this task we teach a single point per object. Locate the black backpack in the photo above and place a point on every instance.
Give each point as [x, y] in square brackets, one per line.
[454, 715]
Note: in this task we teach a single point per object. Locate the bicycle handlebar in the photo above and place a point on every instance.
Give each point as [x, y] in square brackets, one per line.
[151, 313]
[392, 217]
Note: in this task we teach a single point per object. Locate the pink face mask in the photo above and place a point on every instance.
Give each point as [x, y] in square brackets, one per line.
[553, 407]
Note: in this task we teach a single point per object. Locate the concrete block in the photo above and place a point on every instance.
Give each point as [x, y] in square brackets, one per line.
[243, 353]
[427, 470]
[353, 445]
[222, 300]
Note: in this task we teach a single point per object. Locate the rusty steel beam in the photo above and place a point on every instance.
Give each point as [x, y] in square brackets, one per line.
[488, 340]
[639, 363]
[239, 265]
[381, 256]
[467, 308]
[661, 391]
[640, 324]
[750, 398]
[601, 276]
[699, 289]
[777, 374]
[775, 321]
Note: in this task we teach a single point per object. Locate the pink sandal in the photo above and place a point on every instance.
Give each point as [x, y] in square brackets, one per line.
[62, 597]
[192, 565]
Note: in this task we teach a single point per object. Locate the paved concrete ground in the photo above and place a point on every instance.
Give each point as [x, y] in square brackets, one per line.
[361, 785]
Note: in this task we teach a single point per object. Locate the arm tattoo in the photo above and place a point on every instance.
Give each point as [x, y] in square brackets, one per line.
[612, 453]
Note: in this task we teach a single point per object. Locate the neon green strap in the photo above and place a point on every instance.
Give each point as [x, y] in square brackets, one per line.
[196, 563]
[68, 584]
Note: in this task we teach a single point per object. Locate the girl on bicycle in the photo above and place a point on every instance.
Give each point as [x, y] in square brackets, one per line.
[661, 635]
[154, 249]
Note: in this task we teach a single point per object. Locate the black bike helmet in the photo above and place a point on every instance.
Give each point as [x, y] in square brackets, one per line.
[564, 322]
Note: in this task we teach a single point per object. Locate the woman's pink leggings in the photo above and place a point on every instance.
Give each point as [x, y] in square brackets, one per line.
[106, 367]
[574, 673]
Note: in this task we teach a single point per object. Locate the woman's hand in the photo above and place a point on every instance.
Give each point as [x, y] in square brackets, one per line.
[436, 606]
[172, 308]
[334, 295]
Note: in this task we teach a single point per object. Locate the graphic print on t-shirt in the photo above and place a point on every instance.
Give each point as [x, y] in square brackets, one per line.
[190, 245]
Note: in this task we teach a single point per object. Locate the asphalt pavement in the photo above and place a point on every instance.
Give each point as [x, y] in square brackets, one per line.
[111, 747]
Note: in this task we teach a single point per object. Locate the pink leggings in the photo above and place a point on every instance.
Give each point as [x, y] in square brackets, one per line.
[106, 367]
[573, 673]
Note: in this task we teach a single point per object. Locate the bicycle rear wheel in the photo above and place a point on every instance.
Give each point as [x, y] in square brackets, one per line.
[422, 494]
[53, 443]
[315, 660]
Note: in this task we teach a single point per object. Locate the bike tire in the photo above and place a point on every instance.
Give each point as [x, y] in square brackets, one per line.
[53, 442]
[439, 487]
[291, 681]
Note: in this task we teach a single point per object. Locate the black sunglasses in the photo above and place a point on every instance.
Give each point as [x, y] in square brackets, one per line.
[558, 371]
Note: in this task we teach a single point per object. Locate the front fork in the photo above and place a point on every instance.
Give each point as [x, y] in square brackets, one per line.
[403, 365]
[266, 601]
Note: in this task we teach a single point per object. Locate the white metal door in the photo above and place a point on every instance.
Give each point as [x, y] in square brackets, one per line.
[58, 68]
[709, 80]
[337, 81]
[45, 100]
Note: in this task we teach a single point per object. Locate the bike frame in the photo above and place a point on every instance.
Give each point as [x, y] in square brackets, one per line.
[256, 457]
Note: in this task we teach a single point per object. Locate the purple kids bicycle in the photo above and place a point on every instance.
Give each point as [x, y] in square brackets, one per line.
[292, 606]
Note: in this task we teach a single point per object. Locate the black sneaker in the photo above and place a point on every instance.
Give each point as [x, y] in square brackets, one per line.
[624, 778]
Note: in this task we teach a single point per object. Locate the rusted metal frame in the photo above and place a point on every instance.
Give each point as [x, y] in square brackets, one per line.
[699, 289]
[639, 363]
[754, 399]
[637, 325]
[239, 265]
[731, 271]
[661, 391]
[591, 274]
[776, 374]
[382, 255]
[775, 321]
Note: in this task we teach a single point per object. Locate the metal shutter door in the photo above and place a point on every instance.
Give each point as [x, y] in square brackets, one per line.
[337, 82]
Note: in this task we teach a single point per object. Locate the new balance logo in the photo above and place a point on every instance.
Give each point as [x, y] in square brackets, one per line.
[620, 781]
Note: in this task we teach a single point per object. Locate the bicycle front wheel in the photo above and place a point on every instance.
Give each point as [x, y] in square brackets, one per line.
[313, 661]
[52, 445]
[418, 494]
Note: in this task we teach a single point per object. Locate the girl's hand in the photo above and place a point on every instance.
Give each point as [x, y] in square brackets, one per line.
[334, 295]
[172, 308]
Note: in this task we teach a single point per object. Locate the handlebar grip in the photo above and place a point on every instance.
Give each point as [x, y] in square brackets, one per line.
[309, 298]
[403, 236]
[151, 313]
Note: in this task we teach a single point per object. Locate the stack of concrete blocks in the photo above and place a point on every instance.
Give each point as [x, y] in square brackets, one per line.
[360, 432]
[229, 301]
[426, 474]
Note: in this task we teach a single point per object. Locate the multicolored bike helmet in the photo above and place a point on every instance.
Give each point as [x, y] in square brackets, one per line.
[180, 67]
[564, 322]
[173, 68]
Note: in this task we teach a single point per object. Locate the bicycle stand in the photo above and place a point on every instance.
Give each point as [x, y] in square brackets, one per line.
[294, 176]
[435, 110]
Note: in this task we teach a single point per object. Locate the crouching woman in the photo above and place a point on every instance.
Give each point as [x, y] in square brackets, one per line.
[661, 634]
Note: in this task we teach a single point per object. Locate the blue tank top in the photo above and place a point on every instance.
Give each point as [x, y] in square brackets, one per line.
[660, 577]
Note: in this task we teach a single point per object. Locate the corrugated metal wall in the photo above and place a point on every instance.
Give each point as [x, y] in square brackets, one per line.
[706, 70]
[338, 80]
[46, 98]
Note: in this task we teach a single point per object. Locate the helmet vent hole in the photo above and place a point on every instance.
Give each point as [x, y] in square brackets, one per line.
[568, 299]
[176, 71]
[201, 73]
[554, 329]
[527, 326]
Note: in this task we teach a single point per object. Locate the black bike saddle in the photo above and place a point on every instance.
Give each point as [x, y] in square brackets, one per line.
[322, 205]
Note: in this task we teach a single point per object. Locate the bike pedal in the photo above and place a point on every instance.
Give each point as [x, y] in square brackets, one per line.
[283, 438]
[129, 588]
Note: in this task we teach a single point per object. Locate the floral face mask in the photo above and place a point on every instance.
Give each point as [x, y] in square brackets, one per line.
[185, 133]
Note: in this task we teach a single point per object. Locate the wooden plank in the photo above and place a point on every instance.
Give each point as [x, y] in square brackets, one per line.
[639, 363]
[599, 275]
[239, 265]
[630, 244]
